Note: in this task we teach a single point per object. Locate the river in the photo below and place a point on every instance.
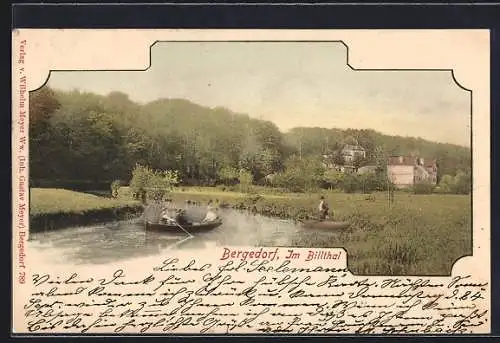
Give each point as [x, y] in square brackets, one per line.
[114, 241]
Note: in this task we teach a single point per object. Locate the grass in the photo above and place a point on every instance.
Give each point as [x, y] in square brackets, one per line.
[414, 235]
[219, 192]
[53, 200]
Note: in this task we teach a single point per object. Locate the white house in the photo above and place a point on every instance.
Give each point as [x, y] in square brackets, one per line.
[406, 171]
[349, 152]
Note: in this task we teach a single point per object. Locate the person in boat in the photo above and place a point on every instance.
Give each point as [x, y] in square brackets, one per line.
[323, 208]
[211, 215]
[181, 217]
[166, 216]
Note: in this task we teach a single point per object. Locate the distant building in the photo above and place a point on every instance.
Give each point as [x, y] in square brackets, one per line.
[349, 152]
[406, 171]
[329, 163]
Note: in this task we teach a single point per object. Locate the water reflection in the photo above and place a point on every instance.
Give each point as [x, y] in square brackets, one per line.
[127, 239]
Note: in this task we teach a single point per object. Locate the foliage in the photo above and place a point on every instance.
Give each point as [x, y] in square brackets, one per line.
[338, 159]
[147, 183]
[301, 174]
[333, 178]
[423, 188]
[93, 138]
[450, 158]
[140, 179]
[245, 178]
[358, 161]
[115, 186]
[43, 104]
[350, 140]
[369, 182]
[228, 175]
[350, 183]
[461, 183]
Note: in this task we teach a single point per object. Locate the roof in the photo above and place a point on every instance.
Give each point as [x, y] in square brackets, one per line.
[401, 161]
[353, 147]
[409, 161]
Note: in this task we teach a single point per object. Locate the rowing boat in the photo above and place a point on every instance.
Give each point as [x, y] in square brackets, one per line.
[325, 225]
[191, 227]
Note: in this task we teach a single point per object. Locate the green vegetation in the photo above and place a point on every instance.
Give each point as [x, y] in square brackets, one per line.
[152, 184]
[49, 201]
[90, 139]
[169, 145]
[415, 234]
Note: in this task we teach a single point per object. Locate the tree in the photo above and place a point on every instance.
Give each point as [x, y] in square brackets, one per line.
[338, 159]
[249, 156]
[463, 182]
[246, 179]
[350, 140]
[333, 178]
[380, 159]
[115, 186]
[42, 105]
[350, 183]
[366, 139]
[369, 182]
[304, 174]
[140, 180]
[269, 161]
[44, 139]
[358, 160]
[81, 137]
[228, 175]
[147, 183]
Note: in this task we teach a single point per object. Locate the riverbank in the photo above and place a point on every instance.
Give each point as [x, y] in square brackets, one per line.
[415, 234]
[52, 209]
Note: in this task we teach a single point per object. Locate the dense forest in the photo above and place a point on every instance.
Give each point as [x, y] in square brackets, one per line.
[79, 138]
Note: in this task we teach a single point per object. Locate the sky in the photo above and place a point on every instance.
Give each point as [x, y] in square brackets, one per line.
[292, 84]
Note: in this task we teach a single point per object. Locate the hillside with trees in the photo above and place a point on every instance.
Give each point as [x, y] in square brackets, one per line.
[85, 140]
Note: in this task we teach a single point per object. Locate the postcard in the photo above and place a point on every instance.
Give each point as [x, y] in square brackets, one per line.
[286, 182]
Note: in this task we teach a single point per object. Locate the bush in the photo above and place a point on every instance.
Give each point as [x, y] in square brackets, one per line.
[423, 188]
[350, 183]
[458, 184]
[300, 175]
[228, 175]
[369, 182]
[333, 178]
[246, 178]
[150, 184]
[115, 186]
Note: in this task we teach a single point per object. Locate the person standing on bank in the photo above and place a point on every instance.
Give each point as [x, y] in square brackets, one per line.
[323, 208]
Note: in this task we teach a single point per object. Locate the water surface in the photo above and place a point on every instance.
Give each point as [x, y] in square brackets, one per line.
[115, 241]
